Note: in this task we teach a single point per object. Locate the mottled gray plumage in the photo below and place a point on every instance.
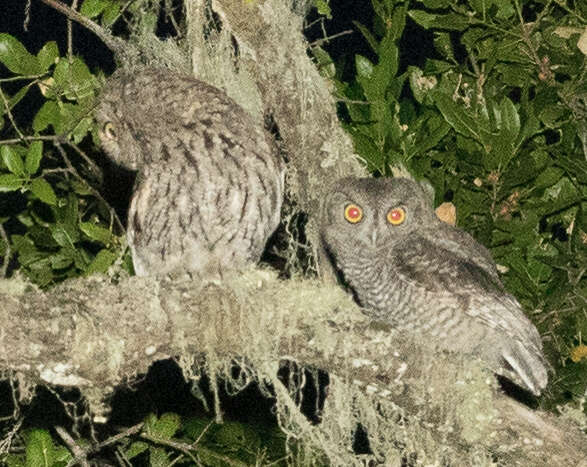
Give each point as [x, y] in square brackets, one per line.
[210, 185]
[427, 277]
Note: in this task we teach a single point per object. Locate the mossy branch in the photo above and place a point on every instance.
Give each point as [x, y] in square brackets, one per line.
[96, 335]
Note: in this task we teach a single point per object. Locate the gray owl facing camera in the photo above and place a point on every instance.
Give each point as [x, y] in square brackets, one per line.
[209, 186]
[423, 276]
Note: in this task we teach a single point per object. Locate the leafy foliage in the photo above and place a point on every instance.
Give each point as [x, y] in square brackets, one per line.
[60, 227]
[496, 119]
[167, 439]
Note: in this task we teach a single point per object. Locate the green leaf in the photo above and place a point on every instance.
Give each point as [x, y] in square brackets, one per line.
[510, 120]
[111, 13]
[33, 157]
[324, 61]
[42, 190]
[559, 196]
[457, 116]
[548, 177]
[15, 99]
[62, 259]
[398, 21]
[96, 232]
[323, 8]
[166, 426]
[386, 69]
[39, 449]
[16, 57]
[47, 115]
[93, 8]
[100, 264]
[364, 66]
[450, 21]
[436, 4]
[10, 182]
[423, 18]
[14, 460]
[369, 37]
[48, 55]
[136, 448]
[158, 457]
[74, 79]
[63, 237]
[443, 44]
[574, 167]
[12, 160]
[62, 456]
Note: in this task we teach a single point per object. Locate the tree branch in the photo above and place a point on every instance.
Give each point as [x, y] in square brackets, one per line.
[115, 44]
[96, 335]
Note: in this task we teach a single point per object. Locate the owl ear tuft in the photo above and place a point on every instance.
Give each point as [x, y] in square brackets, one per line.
[400, 171]
[428, 190]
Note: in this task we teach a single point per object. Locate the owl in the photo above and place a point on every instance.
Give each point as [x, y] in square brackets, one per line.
[209, 185]
[425, 277]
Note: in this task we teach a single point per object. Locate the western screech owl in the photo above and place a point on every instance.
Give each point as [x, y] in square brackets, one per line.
[421, 275]
[209, 186]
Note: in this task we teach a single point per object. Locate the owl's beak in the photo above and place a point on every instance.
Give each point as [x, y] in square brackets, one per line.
[374, 239]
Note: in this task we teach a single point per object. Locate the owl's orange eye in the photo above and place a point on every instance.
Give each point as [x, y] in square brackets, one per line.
[396, 216]
[353, 213]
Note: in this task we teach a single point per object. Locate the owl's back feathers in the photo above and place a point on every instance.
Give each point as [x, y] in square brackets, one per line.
[210, 184]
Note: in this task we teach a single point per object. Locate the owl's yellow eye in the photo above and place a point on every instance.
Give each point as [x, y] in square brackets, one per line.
[396, 216]
[109, 130]
[353, 213]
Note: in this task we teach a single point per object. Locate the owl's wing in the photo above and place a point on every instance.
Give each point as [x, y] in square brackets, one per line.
[430, 266]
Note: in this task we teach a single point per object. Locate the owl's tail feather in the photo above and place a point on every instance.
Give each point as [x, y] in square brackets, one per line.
[527, 367]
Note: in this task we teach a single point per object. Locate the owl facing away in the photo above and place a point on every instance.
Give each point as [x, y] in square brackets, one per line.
[428, 278]
[209, 185]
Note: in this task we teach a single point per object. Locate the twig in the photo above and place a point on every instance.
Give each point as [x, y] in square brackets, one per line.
[96, 193]
[206, 428]
[121, 11]
[329, 38]
[352, 101]
[21, 78]
[113, 43]
[94, 167]
[7, 252]
[168, 8]
[10, 116]
[122, 460]
[27, 16]
[70, 34]
[309, 25]
[186, 448]
[133, 430]
[80, 455]
[29, 138]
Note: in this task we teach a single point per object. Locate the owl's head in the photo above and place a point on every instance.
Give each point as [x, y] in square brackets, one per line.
[116, 127]
[364, 215]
